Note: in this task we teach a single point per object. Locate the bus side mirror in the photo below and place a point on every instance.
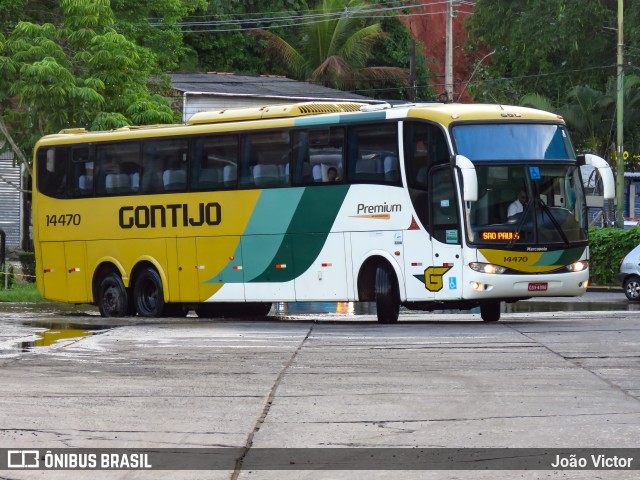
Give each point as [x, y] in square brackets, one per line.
[608, 183]
[469, 178]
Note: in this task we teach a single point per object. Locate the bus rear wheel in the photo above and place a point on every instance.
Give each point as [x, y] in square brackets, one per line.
[490, 311]
[113, 299]
[148, 295]
[387, 295]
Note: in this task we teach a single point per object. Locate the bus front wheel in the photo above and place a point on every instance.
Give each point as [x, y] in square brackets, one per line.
[148, 295]
[387, 295]
[113, 299]
[490, 311]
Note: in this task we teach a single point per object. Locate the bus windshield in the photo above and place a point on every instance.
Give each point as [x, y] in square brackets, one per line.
[513, 141]
[525, 204]
[524, 199]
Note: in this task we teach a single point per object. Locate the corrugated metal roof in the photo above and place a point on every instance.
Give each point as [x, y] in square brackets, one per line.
[257, 86]
[10, 199]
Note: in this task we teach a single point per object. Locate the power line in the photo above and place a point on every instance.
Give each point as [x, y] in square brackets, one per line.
[272, 20]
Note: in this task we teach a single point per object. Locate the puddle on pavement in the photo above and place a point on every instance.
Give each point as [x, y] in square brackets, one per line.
[58, 333]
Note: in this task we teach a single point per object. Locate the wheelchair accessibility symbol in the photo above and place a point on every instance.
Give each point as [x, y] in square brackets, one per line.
[453, 285]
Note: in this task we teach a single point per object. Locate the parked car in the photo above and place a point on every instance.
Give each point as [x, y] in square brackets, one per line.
[629, 276]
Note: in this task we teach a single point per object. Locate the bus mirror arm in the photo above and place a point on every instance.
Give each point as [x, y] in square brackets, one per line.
[608, 183]
[469, 178]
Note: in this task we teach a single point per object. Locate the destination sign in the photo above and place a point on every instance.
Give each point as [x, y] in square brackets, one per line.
[496, 235]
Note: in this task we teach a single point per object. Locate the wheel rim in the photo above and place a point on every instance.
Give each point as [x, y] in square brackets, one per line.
[149, 296]
[633, 289]
[113, 297]
[111, 300]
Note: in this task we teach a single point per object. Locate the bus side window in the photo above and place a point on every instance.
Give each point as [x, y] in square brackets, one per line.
[326, 156]
[265, 159]
[445, 223]
[424, 147]
[81, 172]
[302, 167]
[117, 168]
[52, 171]
[214, 162]
[373, 153]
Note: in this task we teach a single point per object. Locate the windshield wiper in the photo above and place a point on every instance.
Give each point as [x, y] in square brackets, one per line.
[545, 208]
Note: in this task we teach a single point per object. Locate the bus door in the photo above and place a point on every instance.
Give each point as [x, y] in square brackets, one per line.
[418, 257]
[322, 259]
[189, 290]
[445, 278]
[210, 267]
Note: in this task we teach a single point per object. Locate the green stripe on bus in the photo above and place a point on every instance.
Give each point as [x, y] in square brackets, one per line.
[560, 257]
[313, 219]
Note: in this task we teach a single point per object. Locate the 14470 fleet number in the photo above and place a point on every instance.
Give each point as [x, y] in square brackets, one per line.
[64, 219]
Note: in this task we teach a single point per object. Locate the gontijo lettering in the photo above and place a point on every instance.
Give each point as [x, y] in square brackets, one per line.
[173, 215]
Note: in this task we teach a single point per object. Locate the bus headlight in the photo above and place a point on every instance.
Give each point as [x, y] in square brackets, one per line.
[486, 267]
[578, 266]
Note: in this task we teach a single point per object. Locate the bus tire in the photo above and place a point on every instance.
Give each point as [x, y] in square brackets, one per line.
[386, 295]
[113, 299]
[148, 295]
[490, 311]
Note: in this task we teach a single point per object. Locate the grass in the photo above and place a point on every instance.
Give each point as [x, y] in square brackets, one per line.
[20, 292]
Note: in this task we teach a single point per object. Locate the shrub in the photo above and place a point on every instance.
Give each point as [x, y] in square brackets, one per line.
[28, 262]
[8, 277]
[607, 247]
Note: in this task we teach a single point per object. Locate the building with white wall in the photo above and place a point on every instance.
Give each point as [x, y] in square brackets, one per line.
[212, 91]
[10, 200]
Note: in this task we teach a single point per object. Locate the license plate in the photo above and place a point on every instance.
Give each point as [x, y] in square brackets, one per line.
[538, 286]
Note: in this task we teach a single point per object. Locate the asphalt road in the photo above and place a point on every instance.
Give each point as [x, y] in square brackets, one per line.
[559, 378]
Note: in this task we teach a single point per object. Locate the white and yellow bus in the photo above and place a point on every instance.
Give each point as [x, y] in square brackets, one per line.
[239, 208]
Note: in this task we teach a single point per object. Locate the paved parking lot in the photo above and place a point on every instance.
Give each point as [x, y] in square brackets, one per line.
[546, 380]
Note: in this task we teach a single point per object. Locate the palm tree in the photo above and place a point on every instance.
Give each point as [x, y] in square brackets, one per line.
[334, 50]
[590, 114]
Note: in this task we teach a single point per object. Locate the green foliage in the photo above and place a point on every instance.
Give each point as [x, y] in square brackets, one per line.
[590, 115]
[28, 264]
[335, 52]
[155, 24]
[7, 275]
[395, 49]
[229, 46]
[9, 11]
[543, 46]
[21, 292]
[77, 72]
[607, 247]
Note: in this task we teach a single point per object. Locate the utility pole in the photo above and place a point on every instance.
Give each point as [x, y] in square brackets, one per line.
[448, 61]
[620, 122]
[413, 94]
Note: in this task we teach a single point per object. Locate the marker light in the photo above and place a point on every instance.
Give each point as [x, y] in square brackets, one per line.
[486, 267]
[578, 266]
